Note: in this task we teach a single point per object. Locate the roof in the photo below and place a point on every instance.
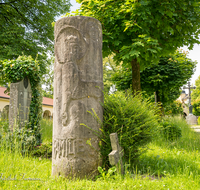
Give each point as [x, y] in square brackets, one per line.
[2, 95]
[46, 101]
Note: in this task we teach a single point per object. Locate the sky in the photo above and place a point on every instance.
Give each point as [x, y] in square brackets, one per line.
[194, 54]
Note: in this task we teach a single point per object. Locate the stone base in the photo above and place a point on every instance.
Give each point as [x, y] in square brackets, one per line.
[191, 119]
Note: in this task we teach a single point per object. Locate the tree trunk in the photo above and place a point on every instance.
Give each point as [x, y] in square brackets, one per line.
[136, 86]
[160, 104]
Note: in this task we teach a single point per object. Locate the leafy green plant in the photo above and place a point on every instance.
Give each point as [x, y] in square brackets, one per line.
[173, 108]
[135, 121]
[106, 175]
[171, 130]
[198, 120]
[24, 141]
[196, 107]
[16, 70]
[42, 151]
[20, 139]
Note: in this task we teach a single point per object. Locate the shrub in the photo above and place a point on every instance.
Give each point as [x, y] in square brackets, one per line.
[196, 107]
[171, 130]
[135, 121]
[174, 108]
[24, 140]
[42, 151]
[21, 139]
[199, 120]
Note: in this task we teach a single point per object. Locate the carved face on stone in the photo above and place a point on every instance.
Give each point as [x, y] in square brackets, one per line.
[93, 31]
[72, 49]
[70, 46]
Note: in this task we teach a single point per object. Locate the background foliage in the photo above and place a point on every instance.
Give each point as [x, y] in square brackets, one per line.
[196, 92]
[196, 107]
[173, 108]
[164, 78]
[196, 98]
[171, 131]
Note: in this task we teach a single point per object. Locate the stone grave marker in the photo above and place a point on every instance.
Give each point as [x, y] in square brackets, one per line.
[78, 84]
[20, 100]
[115, 157]
[191, 119]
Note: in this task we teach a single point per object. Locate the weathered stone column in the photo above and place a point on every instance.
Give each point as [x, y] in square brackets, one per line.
[78, 81]
[20, 100]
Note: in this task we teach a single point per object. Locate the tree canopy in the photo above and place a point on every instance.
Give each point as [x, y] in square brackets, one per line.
[25, 26]
[140, 31]
[164, 78]
[196, 92]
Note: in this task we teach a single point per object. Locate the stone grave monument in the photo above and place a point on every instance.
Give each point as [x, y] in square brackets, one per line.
[78, 84]
[191, 119]
[115, 157]
[20, 100]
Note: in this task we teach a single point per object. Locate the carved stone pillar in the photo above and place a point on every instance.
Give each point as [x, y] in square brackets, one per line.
[78, 84]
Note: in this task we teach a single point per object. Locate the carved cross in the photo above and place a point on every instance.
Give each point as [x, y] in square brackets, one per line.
[189, 88]
[115, 157]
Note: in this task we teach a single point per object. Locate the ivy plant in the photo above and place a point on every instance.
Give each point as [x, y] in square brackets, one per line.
[15, 71]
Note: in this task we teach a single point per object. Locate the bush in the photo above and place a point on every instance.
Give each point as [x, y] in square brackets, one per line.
[174, 108]
[21, 139]
[199, 120]
[42, 151]
[135, 121]
[171, 131]
[24, 140]
[196, 107]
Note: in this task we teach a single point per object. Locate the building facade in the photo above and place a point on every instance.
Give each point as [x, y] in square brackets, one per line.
[47, 105]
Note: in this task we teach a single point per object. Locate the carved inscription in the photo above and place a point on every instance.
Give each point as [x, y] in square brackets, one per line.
[68, 147]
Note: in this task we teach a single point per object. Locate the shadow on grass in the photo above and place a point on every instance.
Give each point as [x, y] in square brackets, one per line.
[162, 165]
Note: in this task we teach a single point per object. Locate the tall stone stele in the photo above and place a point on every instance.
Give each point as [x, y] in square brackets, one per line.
[20, 100]
[78, 85]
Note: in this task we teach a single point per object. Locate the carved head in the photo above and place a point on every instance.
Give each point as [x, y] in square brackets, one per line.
[72, 48]
[93, 30]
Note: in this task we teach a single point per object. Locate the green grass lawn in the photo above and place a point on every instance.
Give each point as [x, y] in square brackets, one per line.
[165, 165]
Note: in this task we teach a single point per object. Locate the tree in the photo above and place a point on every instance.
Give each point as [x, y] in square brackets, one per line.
[25, 27]
[48, 79]
[109, 68]
[140, 31]
[164, 78]
[196, 98]
[196, 92]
